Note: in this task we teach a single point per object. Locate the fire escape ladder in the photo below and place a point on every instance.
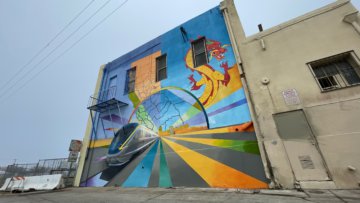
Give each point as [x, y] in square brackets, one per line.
[104, 102]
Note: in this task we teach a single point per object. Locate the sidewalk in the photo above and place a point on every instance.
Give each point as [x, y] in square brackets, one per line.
[161, 195]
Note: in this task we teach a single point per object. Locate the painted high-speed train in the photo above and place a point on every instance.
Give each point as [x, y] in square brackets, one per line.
[127, 142]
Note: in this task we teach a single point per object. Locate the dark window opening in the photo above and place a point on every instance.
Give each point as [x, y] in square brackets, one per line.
[161, 68]
[327, 82]
[337, 71]
[130, 80]
[199, 52]
[111, 92]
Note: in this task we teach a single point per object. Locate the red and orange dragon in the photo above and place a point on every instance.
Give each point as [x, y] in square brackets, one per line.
[211, 79]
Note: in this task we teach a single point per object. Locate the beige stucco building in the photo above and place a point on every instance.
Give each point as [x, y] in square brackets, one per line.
[303, 81]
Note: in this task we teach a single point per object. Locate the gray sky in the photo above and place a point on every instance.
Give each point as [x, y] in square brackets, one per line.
[39, 120]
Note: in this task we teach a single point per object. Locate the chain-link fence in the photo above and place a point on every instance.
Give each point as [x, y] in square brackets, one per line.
[43, 167]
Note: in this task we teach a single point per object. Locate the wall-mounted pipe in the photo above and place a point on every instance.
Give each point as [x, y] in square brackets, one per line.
[352, 19]
[262, 42]
[237, 35]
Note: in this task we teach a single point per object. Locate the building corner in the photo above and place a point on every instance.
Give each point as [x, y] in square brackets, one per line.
[88, 132]
[237, 36]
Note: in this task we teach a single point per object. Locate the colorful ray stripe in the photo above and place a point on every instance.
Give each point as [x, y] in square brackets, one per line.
[216, 174]
[233, 97]
[164, 179]
[192, 111]
[141, 175]
[196, 119]
[248, 146]
[100, 143]
[175, 88]
[218, 106]
[245, 127]
[134, 98]
[228, 107]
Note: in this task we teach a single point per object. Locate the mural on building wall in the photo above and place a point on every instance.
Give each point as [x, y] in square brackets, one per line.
[211, 78]
[191, 129]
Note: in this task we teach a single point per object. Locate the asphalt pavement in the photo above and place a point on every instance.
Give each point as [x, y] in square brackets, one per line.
[168, 195]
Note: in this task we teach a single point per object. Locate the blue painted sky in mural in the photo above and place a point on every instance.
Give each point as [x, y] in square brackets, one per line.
[167, 107]
[39, 120]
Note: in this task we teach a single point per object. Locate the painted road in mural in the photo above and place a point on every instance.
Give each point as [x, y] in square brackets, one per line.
[227, 157]
[191, 129]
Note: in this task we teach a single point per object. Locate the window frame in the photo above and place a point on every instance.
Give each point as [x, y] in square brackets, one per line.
[111, 90]
[128, 81]
[158, 69]
[341, 82]
[193, 51]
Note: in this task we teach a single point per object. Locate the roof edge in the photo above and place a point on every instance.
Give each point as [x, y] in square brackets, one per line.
[306, 16]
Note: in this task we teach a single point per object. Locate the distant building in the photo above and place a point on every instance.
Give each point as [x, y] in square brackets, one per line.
[276, 109]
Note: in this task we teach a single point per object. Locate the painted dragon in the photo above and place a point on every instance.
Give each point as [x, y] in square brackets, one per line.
[211, 79]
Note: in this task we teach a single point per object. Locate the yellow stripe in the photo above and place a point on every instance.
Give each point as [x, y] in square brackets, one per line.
[100, 143]
[213, 131]
[245, 127]
[216, 174]
[107, 142]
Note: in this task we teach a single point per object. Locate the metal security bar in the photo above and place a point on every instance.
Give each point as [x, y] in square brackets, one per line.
[336, 72]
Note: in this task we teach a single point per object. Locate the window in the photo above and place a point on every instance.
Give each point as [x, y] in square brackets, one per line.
[199, 52]
[337, 71]
[112, 82]
[130, 80]
[161, 68]
[112, 88]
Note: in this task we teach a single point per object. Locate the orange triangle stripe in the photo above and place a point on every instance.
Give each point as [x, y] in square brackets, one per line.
[216, 174]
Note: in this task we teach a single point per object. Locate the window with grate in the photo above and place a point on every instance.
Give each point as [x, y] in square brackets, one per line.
[130, 80]
[199, 52]
[337, 71]
[161, 68]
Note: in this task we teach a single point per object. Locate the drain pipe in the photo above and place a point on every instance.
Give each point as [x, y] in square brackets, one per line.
[352, 19]
[224, 7]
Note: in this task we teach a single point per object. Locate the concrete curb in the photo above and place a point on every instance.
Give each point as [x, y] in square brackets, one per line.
[292, 193]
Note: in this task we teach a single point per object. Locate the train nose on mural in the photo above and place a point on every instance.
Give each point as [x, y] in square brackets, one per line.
[128, 142]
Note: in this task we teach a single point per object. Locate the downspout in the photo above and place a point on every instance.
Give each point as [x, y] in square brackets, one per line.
[224, 7]
[352, 19]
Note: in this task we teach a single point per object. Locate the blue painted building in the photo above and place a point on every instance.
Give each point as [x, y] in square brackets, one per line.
[184, 86]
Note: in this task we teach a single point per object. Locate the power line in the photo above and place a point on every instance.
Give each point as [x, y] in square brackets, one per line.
[68, 49]
[46, 45]
[53, 50]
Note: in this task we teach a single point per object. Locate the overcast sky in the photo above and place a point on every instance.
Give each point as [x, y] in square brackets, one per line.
[39, 118]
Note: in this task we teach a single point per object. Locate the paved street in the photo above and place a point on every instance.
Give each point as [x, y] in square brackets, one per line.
[113, 194]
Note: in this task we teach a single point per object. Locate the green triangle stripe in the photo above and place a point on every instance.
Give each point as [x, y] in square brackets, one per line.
[164, 176]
